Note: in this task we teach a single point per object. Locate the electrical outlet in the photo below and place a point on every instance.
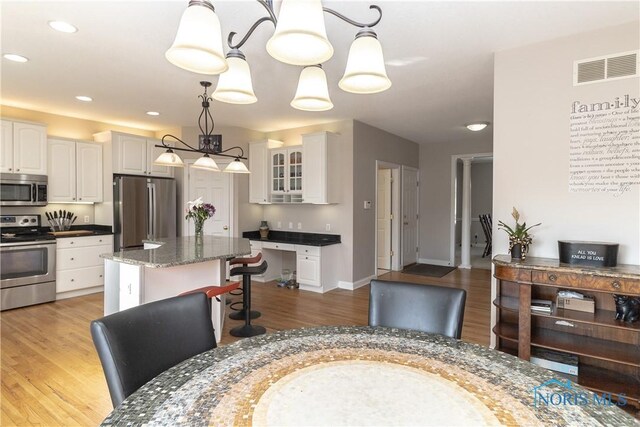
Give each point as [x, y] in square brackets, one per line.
[327, 227]
[279, 225]
[86, 219]
[299, 226]
[290, 225]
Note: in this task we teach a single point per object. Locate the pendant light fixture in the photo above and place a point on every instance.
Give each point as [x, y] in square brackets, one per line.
[312, 93]
[300, 38]
[198, 43]
[234, 85]
[365, 72]
[209, 144]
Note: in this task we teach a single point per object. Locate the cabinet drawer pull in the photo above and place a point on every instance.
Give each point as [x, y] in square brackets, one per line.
[306, 257]
[101, 275]
[73, 280]
[71, 242]
[72, 259]
[553, 277]
[615, 284]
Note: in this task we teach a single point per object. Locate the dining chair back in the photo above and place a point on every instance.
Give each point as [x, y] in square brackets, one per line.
[137, 344]
[426, 308]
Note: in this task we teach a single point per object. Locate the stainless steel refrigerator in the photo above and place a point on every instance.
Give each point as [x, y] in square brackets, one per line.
[144, 208]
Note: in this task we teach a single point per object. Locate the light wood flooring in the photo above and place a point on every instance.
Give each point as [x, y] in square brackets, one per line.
[51, 374]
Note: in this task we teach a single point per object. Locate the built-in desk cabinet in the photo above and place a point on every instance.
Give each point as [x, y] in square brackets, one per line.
[23, 148]
[608, 349]
[75, 171]
[79, 268]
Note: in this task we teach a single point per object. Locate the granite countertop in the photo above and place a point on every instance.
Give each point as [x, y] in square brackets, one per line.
[295, 238]
[233, 384]
[181, 251]
[551, 264]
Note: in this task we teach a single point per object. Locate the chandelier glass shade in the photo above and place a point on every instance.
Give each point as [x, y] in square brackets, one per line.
[169, 158]
[236, 166]
[300, 39]
[198, 43]
[234, 85]
[312, 93]
[206, 163]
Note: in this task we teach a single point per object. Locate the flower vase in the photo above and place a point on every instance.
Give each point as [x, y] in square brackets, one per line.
[516, 251]
[199, 231]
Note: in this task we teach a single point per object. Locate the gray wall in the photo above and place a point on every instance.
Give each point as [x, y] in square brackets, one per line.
[481, 196]
[371, 144]
[435, 195]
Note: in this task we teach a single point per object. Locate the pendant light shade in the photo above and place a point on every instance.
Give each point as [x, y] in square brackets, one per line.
[300, 37]
[365, 71]
[236, 167]
[169, 158]
[234, 85]
[312, 93]
[206, 163]
[198, 43]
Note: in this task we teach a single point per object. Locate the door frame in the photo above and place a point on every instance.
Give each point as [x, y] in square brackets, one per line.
[222, 163]
[396, 231]
[402, 169]
[453, 195]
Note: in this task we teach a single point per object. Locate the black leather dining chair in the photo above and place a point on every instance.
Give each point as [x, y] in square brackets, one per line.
[137, 344]
[426, 308]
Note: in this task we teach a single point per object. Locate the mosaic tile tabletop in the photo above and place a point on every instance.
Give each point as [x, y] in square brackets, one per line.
[356, 376]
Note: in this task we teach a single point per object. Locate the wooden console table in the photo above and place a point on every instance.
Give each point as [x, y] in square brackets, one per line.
[608, 349]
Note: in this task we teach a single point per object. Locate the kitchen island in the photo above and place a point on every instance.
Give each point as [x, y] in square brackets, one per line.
[168, 267]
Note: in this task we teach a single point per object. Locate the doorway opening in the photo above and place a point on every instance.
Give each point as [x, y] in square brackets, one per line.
[387, 207]
[471, 211]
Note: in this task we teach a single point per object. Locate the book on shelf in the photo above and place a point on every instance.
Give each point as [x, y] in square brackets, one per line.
[541, 305]
[555, 361]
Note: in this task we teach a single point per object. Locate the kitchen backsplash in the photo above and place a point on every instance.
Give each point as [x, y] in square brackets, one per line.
[80, 210]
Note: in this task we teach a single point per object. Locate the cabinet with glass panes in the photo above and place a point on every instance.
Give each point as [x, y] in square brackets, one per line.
[286, 174]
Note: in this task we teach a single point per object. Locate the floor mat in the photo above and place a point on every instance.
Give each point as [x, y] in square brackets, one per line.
[428, 270]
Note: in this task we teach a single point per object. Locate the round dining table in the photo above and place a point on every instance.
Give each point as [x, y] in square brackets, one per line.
[359, 376]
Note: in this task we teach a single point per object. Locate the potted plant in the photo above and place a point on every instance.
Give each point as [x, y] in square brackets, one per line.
[199, 212]
[519, 237]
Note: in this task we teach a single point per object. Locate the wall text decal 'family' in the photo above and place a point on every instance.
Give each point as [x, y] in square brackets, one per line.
[604, 146]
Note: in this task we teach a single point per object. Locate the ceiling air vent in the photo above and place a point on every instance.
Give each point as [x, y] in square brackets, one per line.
[605, 68]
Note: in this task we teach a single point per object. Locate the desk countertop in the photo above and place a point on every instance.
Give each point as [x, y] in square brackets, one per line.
[295, 238]
[177, 251]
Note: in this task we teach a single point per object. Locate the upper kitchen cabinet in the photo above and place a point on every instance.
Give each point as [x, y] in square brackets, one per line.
[23, 148]
[75, 171]
[259, 167]
[320, 185]
[287, 174]
[133, 154]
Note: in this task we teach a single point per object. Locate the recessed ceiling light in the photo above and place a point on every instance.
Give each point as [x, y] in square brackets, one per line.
[153, 113]
[15, 58]
[475, 127]
[84, 98]
[63, 27]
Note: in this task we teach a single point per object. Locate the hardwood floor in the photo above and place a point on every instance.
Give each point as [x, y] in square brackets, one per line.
[51, 374]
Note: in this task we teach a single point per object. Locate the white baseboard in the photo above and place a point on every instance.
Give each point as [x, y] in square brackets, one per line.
[465, 267]
[352, 286]
[442, 262]
[79, 292]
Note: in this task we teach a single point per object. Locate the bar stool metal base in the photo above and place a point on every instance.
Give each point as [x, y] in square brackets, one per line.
[247, 331]
[239, 315]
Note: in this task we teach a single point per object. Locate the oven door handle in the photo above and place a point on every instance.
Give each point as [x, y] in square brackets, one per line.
[14, 246]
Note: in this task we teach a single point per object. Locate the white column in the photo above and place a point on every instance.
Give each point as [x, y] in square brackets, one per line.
[465, 255]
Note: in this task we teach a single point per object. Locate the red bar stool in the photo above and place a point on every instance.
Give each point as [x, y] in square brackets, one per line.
[239, 313]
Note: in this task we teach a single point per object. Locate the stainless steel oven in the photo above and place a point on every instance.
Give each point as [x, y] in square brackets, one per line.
[27, 273]
[23, 190]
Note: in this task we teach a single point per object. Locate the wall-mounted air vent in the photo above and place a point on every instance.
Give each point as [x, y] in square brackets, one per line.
[605, 68]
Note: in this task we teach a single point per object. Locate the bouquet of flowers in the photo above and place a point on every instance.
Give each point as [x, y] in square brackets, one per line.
[199, 212]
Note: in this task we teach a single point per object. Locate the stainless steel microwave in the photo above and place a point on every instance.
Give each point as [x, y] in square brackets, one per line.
[23, 190]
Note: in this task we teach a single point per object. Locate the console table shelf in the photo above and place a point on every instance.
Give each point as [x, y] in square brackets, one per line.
[608, 349]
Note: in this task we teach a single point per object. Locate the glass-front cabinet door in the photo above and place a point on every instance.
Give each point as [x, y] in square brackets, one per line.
[278, 169]
[295, 171]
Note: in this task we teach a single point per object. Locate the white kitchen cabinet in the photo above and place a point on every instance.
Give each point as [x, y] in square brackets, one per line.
[320, 181]
[79, 268]
[134, 155]
[24, 148]
[286, 175]
[259, 166]
[308, 270]
[75, 171]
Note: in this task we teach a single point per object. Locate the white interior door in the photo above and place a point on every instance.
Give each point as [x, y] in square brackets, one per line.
[214, 188]
[409, 215]
[383, 211]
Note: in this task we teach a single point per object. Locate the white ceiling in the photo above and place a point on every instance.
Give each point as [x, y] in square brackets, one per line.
[117, 57]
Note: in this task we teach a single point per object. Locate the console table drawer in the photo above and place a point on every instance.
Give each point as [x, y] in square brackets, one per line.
[583, 281]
